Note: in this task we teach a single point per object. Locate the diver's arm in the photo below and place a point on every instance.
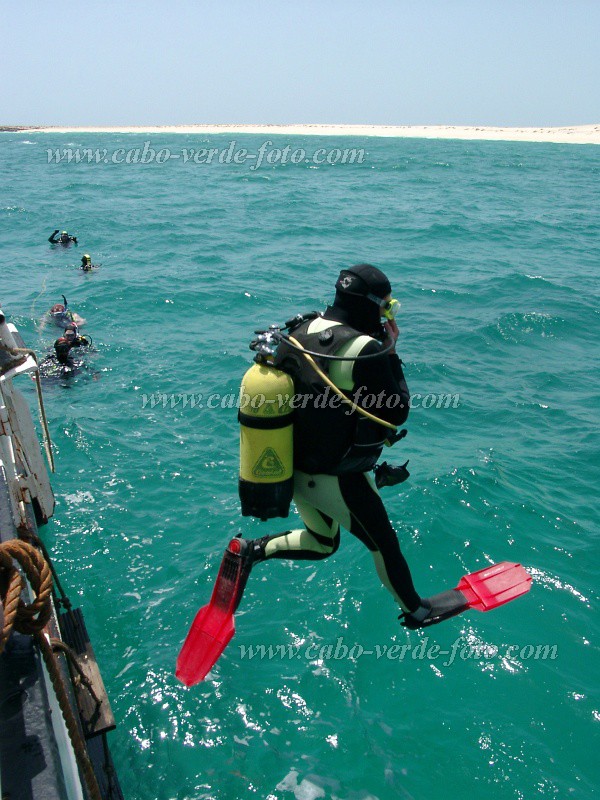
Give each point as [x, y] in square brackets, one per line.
[384, 378]
[74, 239]
[52, 240]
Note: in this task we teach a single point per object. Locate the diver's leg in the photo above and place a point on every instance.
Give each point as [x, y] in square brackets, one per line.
[321, 535]
[370, 523]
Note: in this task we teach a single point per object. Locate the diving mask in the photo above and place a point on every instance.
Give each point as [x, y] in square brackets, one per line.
[391, 309]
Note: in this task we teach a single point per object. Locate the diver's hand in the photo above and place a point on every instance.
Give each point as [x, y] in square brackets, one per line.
[392, 332]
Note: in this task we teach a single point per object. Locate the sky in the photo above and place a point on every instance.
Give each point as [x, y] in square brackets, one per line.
[386, 62]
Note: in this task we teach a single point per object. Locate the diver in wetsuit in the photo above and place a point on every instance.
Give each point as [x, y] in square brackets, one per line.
[64, 345]
[334, 450]
[86, 263]
[64, 238]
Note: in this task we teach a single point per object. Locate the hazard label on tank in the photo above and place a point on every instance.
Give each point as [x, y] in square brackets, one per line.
[268, 465]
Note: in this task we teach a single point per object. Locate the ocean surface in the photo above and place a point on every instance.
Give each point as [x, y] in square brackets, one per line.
[493, 250]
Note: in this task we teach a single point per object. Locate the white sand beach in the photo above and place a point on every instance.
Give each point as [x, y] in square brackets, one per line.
[576, 134]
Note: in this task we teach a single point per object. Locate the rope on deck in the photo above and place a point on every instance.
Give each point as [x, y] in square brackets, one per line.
[31, 619]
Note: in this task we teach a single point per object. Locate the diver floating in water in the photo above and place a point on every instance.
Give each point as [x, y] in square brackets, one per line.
[64, 345]
[62, 316]
[62, 363]
[65, 239]
[86, 264]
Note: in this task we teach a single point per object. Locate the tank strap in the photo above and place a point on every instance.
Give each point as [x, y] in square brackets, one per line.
[265, 423]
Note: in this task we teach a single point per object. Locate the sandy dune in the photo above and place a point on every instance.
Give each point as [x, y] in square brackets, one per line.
[577, 134]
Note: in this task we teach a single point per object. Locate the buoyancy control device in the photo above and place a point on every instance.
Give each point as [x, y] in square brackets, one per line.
[266, 423]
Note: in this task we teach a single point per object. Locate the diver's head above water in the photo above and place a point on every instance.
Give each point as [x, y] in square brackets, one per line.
[362, 296]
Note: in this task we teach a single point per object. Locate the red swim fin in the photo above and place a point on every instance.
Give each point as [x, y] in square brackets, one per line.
[214, 626]
[493, 586]
[483, 590]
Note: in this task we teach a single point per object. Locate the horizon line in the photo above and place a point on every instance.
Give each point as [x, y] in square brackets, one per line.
[563, 134]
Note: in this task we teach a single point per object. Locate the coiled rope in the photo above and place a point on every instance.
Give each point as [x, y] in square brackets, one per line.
[28, 619]
[31, 619]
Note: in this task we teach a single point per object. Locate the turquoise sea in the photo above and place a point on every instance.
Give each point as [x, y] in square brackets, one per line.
[493, 250]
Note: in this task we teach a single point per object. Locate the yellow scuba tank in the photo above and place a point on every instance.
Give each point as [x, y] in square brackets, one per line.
[266, 483]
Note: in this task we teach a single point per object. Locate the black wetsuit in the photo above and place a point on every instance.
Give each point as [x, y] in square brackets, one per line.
[62, 348]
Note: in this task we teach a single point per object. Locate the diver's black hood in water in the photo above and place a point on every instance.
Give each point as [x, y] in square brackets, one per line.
[359, 291]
